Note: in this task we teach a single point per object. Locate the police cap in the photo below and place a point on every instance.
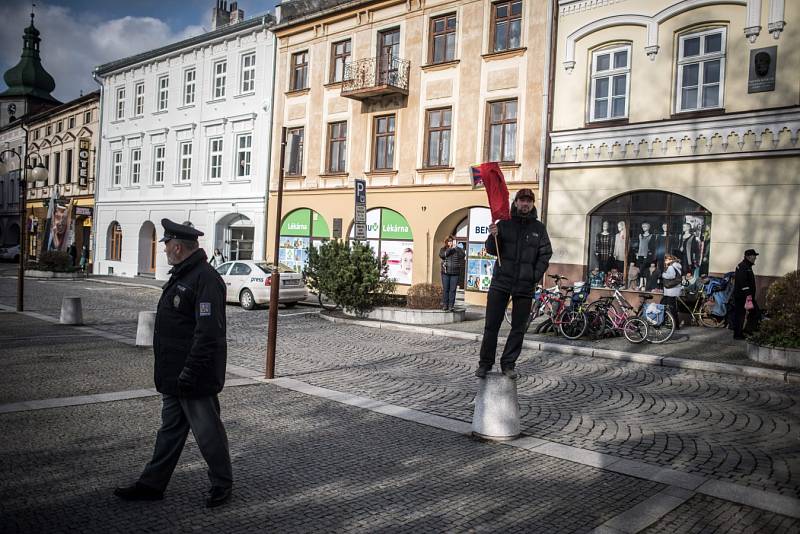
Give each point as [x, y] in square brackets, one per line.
[173, 230]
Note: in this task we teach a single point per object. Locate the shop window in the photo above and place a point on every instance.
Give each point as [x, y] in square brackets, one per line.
[300, 229]
[630, 235]
[114, 249]
[610, 84]
[701, 70]
[389, 234]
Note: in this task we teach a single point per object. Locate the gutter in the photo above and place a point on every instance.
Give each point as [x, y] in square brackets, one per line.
[95, 217]
[547, 117]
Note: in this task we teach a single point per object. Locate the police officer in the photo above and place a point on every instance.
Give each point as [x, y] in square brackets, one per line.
[523, 257]
[744, 285]
[190, 357]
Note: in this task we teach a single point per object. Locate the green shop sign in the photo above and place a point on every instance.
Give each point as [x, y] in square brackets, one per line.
[394, 226]
[299, 223]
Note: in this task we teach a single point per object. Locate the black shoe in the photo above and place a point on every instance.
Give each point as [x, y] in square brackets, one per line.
[138, 492]
[218, 495]
[511, 373]
[481, 371]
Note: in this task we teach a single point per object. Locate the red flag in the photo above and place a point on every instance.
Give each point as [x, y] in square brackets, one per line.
[491, 177]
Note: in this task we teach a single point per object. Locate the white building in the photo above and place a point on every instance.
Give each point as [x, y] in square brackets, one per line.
[186, 135]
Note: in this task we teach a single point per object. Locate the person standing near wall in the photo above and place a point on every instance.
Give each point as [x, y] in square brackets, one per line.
[452, 267]
[744, 288]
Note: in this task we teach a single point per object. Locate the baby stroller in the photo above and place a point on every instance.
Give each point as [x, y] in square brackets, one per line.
[719, 291]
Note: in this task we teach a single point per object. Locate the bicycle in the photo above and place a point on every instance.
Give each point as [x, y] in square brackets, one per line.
[658, 331]
[564, 312]
[538, 296]
[615, 321]
[700, 311]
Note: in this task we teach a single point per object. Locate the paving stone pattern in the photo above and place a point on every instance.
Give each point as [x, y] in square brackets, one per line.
[301, 464]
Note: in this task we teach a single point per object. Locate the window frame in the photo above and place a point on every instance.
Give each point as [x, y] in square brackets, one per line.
[215, 157]
[494, 21]
[114, 252]
[700, 60]
[429, 131]
[432, 34]
[389, 134]
[116, 168]
[57, 166]
[299, 163]
[610, 73]
[136, 166]
[343, 57]
[87, 117]
[120, 103]
[189, 86]
[138, 99]
[341, 142]
[248, 152]
[219, 89]
[162, 102]
[159, 163]
[71, 123]
[247, 73]
[503, 122]
[297, 68]
[185, 161]
[68, 162]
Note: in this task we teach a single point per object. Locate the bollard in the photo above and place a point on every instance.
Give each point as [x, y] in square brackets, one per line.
[496, 414]
[71, 311]
[144, 329]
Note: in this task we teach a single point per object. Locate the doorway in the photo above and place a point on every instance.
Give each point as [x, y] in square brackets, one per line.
[388, 52]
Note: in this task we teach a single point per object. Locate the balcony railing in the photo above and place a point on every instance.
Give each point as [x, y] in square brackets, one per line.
[375, 77]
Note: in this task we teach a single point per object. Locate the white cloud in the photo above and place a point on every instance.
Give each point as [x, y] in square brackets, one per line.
[74, 44]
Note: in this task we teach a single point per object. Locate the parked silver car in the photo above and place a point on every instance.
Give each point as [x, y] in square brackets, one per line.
[249, 283]
[9, 252]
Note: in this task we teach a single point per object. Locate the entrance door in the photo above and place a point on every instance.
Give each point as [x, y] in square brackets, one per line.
[242, 243]
[388, 52]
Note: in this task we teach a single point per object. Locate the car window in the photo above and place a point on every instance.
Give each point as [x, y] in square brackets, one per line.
[240, 269]
[223, 269]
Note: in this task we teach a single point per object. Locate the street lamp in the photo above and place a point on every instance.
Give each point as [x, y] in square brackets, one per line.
[37, 173]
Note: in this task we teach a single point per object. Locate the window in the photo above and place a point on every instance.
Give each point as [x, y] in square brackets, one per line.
[49, 129]
[244, 144]
[701, 70]
[384, 142]
[220, 75]
[59, 126]
[442, 41]
[116, 168]
[337, 146]
[215, 158]
[506, 25]
[47, 162]
[437, 137]
[295, 137]
[37, 133]
[503, 131]
[185, 150]
[71, 122]
[68, 167]
[114, 251]
[120, 103]
[240, 269]
[57, 165]
[87, 117]
[610, 84]
[163, 92]
[248, 73]
[340, 56]
[189, 84]
[138, 99]
[299, 71]
[158, 163]
[136, 166]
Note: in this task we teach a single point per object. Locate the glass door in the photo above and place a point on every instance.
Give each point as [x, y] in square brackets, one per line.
[241, 243]
[388, 52]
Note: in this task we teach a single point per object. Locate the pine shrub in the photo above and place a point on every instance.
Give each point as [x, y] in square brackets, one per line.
[782, 328]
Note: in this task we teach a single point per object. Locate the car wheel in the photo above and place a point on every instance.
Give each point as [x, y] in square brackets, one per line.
[246, 300]
[290, 304]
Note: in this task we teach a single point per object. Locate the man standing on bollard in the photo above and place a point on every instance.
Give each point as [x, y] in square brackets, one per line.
[190, 358]
[523, 250]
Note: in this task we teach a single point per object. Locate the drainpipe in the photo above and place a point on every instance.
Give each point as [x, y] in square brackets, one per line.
[547, 99]
[269, 137]
[97, 169]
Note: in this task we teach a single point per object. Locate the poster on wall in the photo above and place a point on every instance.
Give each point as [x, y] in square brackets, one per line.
[293, 252]
[300, 229]
[400, 258]
[479, 262]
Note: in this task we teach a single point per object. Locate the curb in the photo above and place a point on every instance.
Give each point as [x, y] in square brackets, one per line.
[608, 354]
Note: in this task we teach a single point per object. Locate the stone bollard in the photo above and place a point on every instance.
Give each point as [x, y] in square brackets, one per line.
[496, 414]
[71, 311]
[144, 329]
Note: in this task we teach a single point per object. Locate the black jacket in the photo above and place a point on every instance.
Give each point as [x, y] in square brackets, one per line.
[744, 281]
[452, 260]
[189, 338]
[524, 254]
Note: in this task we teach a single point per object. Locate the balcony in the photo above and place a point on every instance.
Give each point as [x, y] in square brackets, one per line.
[375, 77]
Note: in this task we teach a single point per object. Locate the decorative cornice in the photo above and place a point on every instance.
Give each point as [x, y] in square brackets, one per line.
[569, 7]
[703, 137]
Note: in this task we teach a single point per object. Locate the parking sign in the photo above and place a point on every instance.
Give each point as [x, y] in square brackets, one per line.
[360, 217]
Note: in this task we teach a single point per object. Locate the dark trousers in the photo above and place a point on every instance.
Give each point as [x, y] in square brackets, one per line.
[178, 416]
[449, 287]
[496, 303]
[671, 303]
[742, 320]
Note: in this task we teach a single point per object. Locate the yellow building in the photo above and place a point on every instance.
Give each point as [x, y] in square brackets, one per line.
[675, 127]
[406, 95]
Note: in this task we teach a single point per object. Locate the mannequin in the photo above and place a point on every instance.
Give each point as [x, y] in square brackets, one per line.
[633, 276]
[620, 246]
[660, 246]
[644, 252]
[690, 249]
[596, 277]
[604, 247]
[652, 277]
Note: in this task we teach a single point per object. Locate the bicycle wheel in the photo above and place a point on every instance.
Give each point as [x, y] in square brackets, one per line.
[635, 330]
[708, 319]
[596, 323]
[326, 303]
[572, 324]
[663, 332]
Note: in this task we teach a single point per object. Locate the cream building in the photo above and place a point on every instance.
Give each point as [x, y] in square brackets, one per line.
[675, 126]
[406, 95]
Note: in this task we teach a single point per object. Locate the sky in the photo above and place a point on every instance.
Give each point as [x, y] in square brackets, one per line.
[78, 35]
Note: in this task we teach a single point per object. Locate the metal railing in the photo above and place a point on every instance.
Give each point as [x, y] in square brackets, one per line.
[369, 73]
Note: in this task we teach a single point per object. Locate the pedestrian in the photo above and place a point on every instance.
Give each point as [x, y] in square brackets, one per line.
[84, 258]
[672, 279]
[452, 267]
[72, 250]
[744, 290]
[523, 252]
[217, 259]
[190, 357]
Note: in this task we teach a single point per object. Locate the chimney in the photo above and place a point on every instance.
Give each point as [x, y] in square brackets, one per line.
[236, 14]
[219, 15]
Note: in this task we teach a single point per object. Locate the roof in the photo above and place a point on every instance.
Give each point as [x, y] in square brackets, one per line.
[94, 95]
[297, 11]
[107, 68]
[28, 77]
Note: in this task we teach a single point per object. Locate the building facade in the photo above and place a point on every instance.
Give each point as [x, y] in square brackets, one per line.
[64, 140]
[12, 137]
[185, 136]
[406, 95]
[675, 127]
